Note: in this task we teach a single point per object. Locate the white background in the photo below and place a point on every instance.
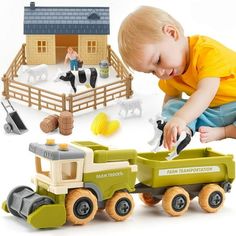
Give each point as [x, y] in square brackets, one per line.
[213, 18]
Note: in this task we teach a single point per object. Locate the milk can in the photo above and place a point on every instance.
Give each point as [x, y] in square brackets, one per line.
[104, 69]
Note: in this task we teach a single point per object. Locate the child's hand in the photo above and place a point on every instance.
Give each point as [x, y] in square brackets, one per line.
[173, 127]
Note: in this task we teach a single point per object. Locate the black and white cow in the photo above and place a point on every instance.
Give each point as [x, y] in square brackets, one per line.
[183, 139]
[85, 76]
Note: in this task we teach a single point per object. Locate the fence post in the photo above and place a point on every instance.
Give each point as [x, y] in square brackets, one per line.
[118, 68]
[95, 99]
[129, 91]
[109, 54]
[105, 96]
[39, 100]
[121, 71]
[23, 54]
[29, 95]
[12, 71]
[5, 92]
[63, 102]
[70, 100]
[15, 69]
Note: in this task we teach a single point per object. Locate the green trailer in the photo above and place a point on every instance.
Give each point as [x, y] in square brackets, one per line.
[198, 172]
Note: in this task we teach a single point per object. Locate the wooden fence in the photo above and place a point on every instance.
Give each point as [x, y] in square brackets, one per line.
[91, 98]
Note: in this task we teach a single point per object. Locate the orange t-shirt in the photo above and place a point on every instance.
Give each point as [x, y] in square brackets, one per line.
[208, 58]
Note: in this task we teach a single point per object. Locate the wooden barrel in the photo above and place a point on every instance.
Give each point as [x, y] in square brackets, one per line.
[66, 123]
[49, 123]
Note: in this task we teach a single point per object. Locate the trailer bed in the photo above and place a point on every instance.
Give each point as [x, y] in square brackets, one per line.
[190, 167]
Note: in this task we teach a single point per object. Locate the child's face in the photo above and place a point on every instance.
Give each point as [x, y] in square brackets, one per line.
[165, 59]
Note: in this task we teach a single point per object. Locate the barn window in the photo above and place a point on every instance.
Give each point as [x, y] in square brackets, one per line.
[92, 46]
[42, 46]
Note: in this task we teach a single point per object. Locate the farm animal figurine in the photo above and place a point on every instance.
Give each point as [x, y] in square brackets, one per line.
[182, 140]
[38, 73]
[85, 76]
[158, 124]
[130, 108]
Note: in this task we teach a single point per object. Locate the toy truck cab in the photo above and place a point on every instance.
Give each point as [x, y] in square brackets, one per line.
[89, 176]
[58, 167]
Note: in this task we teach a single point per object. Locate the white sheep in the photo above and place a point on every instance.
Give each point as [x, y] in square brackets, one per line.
[38, 73]
[130, 108]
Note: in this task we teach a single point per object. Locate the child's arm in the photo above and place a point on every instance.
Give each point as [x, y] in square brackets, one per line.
[66, 59]
[197, 103]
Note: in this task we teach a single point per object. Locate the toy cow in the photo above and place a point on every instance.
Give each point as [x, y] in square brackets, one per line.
[183, 139]
[85, 76]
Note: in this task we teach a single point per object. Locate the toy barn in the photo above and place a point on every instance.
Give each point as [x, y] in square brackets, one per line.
[49, 32]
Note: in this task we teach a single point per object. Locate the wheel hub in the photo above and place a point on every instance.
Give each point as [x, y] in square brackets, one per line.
[215, 199]
[179, 202]
[123, 207]
[82, 208]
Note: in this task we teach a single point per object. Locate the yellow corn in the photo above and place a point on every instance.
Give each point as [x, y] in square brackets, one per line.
[99, 123]
[112, 127]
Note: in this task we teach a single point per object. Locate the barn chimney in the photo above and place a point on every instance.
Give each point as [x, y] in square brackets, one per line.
[32, 5]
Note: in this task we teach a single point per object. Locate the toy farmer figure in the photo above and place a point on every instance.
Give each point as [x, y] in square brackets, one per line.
[73, 57]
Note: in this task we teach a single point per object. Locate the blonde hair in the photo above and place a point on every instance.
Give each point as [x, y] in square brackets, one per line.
[144, 25]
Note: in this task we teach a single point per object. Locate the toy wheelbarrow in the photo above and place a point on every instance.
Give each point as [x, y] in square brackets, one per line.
[14, 123]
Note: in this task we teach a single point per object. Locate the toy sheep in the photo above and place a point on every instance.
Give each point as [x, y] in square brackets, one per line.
[38, 73]
[130, 108]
